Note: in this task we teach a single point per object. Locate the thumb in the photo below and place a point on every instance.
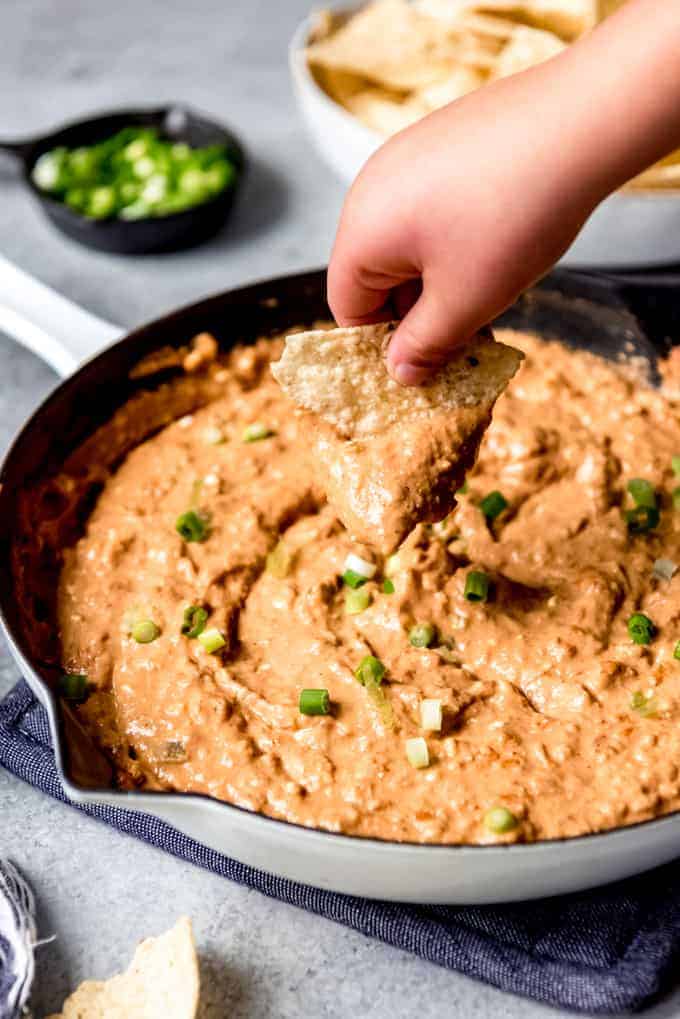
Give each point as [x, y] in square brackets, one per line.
[425, 338]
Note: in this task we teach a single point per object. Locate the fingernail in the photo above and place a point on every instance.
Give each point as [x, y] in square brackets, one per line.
[408, 374]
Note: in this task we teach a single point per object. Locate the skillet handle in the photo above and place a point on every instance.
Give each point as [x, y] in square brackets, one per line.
[54, 328]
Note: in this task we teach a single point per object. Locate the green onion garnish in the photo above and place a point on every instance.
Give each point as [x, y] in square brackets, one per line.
[388, 586]
[144, 631]
[194, 620]
[431, 715]
[642, 519]
[476, 586]
[676, 498]
[192, 526]
[417, 752]
[422, 635]
[493, 504]
[256, 432]
[500, 820]
[642, 492]
[353, 579]
[212, 640]
[315, 702]
[134, 173]
[644, 706]
[213, 436]
[641, 628]
[463, 490]
[370, 671]
[357, 601]
[174, 751]
[675, 464]
[279, 561]
[676, 651]
[73, 686]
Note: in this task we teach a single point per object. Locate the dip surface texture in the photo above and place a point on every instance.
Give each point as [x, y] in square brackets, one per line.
[550, 709]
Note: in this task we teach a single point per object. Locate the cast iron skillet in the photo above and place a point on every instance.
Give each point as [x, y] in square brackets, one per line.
[141, 236]
[610, 318]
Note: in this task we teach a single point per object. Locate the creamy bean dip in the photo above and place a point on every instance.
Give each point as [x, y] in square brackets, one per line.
[552, 685]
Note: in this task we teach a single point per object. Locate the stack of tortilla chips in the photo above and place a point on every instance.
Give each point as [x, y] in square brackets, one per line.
[392, 62]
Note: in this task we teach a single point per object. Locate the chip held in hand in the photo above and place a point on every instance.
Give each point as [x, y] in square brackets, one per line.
[389, 457]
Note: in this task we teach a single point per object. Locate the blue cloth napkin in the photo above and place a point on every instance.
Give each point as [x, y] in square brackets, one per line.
[607, 951]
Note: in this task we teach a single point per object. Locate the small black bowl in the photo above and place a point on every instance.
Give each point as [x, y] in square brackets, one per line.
[139, 236]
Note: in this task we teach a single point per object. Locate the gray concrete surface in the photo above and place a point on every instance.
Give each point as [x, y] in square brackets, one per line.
[98, 891]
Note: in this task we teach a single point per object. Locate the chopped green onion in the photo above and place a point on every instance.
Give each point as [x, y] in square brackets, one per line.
[73, 686]
[212, 640]
[431, 715]
[643, 705]
[194, 620]
[101, 203]
[642, 492]
[357, 601]
[279, 561]
[664, 569]
[256, 432]
[493, 504]
[353, 579]
[676, 498]
[476, 586]
[361, 567]
[500, 820]
[192, 526]
[213, 436]
[174, 752]
[642, 519]
[144, 631]
[676, 651]
[392, 564]
[315, 702]
[463, 490]
[641, 628]
[417, 753]
[675, 464]
[388, 586]
[442, 528]
[422, 634]
[370, 671]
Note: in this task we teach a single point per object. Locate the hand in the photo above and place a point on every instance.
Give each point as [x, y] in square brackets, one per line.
[454, 217]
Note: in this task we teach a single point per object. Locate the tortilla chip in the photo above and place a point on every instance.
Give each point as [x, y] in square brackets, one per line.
[388, 456]
[162, 982]
[340, 85]
[458, 84]
[383, 111]
[526, 48]
[566, 18]
[664, 174]
[391, 44]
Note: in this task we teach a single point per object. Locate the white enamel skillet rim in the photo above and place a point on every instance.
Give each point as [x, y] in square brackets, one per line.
[96, 360]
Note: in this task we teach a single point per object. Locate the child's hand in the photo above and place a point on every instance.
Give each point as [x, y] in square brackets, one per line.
[451, 219]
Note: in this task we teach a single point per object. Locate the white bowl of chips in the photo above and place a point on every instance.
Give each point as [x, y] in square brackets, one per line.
[361, 74]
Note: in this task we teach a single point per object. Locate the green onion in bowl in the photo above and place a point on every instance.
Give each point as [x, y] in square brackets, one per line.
[134, 174]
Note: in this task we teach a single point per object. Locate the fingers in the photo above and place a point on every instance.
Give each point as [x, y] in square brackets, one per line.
[425, 338]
